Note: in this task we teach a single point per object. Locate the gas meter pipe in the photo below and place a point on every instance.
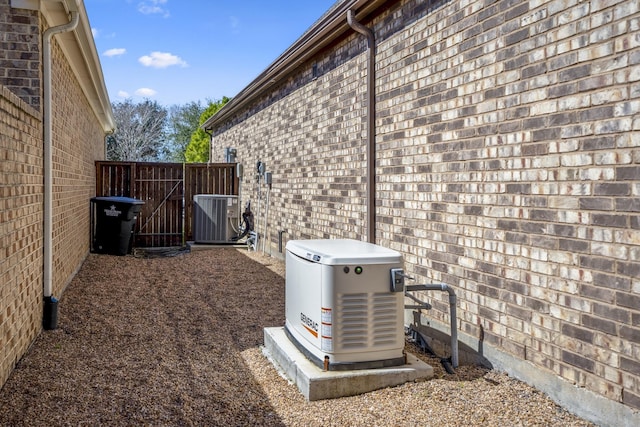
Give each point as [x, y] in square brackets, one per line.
[452, 310]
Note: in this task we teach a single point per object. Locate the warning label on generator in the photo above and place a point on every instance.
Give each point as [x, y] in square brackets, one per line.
[326, 344]
[326, 333]
[326, 316]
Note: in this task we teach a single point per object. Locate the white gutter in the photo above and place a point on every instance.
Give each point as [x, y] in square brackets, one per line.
[47, 136]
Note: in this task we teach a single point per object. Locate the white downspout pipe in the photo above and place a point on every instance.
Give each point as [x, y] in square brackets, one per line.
[47, 136]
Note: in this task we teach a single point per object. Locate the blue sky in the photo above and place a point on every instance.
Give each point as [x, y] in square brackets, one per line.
[177, 51]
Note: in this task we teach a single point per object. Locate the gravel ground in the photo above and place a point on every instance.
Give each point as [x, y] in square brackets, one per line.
[177, 341]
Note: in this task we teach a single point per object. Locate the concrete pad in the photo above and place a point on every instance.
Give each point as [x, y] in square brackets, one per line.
[206, 246]
[316, 384]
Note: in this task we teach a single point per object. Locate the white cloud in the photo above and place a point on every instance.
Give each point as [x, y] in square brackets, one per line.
[152, 7]
[123, 94]
[115, 52]
[97, 33]
[161, 60]
[235, 23]
[146, 92]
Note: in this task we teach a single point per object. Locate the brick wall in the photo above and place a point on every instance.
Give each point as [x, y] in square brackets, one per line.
[521, 149]
[20, 52]
[316, 154]
[78, 141]
[508, 166]
[21, 201]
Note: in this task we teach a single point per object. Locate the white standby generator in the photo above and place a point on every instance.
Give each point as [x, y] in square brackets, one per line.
[344, 303]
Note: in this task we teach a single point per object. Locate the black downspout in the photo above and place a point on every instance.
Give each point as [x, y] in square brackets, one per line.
[371, 124]
[210, 143]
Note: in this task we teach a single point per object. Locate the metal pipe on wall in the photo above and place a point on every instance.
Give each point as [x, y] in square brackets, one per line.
[239, 174]
[267, 179]
[452, 312]
[371, 124]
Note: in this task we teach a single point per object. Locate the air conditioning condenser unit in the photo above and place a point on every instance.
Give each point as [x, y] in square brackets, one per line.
[213, 216]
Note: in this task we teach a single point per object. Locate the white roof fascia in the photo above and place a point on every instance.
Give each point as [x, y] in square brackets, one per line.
[80, 49]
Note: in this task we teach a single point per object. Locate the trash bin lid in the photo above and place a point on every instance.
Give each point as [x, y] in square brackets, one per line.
[117, 199]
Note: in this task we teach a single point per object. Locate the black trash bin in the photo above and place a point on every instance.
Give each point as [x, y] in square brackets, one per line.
[113, 220]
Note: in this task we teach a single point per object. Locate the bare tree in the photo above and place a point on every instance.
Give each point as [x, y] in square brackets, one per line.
[141, 131]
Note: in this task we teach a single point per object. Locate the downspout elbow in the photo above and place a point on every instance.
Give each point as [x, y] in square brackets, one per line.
[365, 31]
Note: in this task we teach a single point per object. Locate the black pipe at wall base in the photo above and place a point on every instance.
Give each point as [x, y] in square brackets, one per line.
[280, 233]
[50, 316]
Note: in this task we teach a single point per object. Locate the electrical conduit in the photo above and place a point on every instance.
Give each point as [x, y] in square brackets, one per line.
[47, 136]
[371, 124]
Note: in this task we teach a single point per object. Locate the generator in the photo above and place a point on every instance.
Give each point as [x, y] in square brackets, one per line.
[344, 302]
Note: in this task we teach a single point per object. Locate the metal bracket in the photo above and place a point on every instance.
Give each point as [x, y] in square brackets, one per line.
[397, 280]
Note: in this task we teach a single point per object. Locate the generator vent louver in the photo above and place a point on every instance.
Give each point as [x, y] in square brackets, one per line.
[368, 319]
[212, 216]
[352, 309]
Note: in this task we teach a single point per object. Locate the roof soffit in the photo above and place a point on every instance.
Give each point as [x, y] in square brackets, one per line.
[79, 48]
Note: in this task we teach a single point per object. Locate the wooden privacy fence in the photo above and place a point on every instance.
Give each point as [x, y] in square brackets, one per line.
[167, 190]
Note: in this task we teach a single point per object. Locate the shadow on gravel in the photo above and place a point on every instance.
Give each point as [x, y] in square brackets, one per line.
[151, 341]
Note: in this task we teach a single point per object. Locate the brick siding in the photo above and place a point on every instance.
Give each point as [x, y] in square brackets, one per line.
[508, 166]
[20, 52]
[21, 193]
[78, 141]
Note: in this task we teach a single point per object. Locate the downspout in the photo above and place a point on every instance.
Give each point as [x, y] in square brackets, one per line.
[210, 153]
[47, 136]
[371, 124]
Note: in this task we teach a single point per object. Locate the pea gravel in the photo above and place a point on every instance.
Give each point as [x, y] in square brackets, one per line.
[177, 341]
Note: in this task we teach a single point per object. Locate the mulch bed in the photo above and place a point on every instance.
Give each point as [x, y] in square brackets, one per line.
[151, 341]
[176, 340]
